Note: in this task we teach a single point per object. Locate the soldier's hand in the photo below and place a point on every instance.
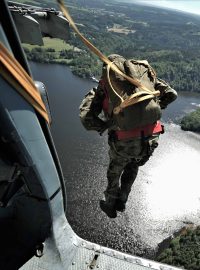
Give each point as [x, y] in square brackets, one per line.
[167, 98]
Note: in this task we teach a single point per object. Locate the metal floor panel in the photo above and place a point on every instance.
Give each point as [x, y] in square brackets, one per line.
[91, 256]
[85, 259]
[65, 250]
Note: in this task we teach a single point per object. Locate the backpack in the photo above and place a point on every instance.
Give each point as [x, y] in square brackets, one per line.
[141, 108]
[89, 110]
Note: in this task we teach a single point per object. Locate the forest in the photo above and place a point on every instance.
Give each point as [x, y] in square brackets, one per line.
[169, 40]
[191, 121]
[183, 250]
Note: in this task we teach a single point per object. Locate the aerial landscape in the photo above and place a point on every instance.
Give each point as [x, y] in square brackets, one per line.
[170, 41]
[130, 30]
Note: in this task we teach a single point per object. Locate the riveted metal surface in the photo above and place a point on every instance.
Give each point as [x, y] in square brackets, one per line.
[82, 259]
[32, 265]
[109, 258]
[111, 263]
[91, 256]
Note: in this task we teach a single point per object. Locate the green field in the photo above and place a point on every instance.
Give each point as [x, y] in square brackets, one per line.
[54, 43]
[51, 52]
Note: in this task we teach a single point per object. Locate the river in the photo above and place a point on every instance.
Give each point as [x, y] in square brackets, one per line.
[165, 196]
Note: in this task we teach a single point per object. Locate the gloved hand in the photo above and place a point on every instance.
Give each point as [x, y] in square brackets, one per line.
[167, 98]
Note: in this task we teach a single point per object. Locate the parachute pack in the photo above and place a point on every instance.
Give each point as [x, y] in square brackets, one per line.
[130, 106]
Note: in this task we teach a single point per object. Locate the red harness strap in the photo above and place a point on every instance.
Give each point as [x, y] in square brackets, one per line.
[138, 132]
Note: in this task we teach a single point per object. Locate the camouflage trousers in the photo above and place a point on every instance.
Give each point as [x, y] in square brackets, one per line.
[125, 158]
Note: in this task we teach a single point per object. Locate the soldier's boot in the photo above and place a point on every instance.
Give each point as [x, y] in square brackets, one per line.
[121, 201]
[120, 205]
[109, 207]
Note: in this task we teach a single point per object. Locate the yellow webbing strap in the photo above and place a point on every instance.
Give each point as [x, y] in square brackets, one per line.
[110, 64]
[14, 74]
[132, 99]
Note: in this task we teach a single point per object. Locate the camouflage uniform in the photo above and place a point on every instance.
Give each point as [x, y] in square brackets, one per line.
[128, 154]
[125, 158]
